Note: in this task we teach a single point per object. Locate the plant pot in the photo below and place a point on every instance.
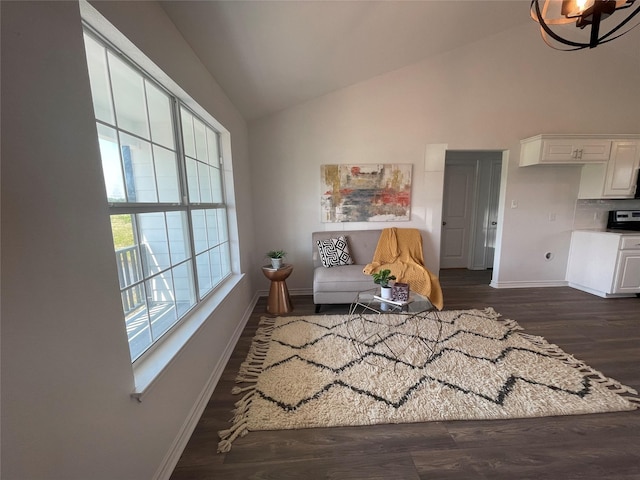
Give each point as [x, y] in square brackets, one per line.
[385, 292]
[276, 263]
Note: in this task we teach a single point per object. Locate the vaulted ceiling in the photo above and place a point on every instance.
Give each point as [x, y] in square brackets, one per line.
[270, 55]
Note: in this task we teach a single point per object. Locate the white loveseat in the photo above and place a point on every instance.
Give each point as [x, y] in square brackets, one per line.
[340, 284]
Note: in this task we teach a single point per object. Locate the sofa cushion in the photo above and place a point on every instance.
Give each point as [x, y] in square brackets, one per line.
[346, 278]
[334, 252]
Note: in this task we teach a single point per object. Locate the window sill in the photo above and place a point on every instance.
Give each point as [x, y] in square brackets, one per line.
[149, 369]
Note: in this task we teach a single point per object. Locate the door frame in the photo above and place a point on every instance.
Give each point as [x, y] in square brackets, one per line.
[480, 208]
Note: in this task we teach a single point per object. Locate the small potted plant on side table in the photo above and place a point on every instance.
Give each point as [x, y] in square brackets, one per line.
[277, 257]
[382, 278]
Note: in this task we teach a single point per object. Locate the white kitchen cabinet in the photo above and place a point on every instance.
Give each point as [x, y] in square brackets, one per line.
[628, 277]
[564, 150]
[615, 179]
[604, 263]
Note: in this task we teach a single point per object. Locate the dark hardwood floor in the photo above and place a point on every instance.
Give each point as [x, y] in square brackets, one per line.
[603, 333]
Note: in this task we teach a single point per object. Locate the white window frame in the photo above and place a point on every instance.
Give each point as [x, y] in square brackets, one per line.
[149, 366]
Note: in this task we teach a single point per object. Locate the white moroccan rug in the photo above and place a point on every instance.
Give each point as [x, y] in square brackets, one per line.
[335, 370]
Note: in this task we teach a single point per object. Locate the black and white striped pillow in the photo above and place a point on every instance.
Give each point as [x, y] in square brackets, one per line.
[334, 252]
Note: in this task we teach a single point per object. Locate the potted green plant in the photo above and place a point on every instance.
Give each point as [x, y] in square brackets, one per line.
[276, 257]
[382, 278]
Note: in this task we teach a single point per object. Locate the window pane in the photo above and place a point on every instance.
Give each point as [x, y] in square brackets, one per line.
[178, 237]
[212, 228]
[216, 265]
[128, 95]
[212, 142]
[138, 167]
[225, 259]
[223, 230]
[184, 288]
[201, 140]
[127, 253]
[99, 76]
[204, 182]
[205, 280]
[192, 181]
[187, 133]
[161, 300]
[111, 164]
[136, 320]
[166, 175]
[199, 230]
[160, 116]
[153, 242]
[216, 185]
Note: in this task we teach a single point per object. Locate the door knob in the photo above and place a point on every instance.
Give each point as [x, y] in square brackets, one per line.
[494, 223]
[444, 223]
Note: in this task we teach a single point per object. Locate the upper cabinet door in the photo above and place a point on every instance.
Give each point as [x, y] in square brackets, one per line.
[622, 170]
[565, 149]
[569, 150]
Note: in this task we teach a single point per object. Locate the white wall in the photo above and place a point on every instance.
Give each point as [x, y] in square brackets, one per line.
[485, 96]
[66, 374]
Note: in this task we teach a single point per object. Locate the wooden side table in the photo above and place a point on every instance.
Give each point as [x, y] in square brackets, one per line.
[279, 299]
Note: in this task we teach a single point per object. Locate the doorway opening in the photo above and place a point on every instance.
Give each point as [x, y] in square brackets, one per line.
[470, 213]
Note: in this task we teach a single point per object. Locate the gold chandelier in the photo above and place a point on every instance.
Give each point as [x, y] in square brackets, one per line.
[555, 15]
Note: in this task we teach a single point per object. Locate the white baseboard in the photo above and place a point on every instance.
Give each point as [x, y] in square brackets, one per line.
[301, 291]
[171, 459]
[600, 293]
[555, 283]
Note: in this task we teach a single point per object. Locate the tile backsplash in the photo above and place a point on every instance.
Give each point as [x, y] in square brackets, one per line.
[592, 214]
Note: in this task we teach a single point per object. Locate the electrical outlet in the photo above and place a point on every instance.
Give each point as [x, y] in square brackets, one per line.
[514, 204]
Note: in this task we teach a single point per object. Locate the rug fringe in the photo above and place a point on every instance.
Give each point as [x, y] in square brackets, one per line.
[556, 352]
[238, 430]
[491, 311]
[249, 372]
[237, 390]
[510, 324]
[634, 400]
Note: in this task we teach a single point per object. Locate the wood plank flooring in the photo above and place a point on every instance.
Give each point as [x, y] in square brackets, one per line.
[604, 333]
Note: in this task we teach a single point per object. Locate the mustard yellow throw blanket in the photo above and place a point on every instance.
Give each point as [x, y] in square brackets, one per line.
[400, 250]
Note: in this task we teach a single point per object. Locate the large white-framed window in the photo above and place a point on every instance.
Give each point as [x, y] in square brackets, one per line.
[163, 172]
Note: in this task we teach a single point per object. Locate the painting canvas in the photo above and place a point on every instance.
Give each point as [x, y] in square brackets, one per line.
[366, 193]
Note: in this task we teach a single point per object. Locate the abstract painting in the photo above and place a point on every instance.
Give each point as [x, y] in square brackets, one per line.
[366, 192]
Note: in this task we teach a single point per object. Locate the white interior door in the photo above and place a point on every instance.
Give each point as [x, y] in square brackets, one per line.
[459, 181]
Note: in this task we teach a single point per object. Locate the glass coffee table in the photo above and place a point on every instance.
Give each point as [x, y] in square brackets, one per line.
[383, 331]
[370, 301]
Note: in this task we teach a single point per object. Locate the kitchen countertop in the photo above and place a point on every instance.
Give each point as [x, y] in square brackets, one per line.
[622, 232]
[616, 231]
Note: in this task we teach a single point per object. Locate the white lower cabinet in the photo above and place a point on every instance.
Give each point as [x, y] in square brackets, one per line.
[604, 263]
